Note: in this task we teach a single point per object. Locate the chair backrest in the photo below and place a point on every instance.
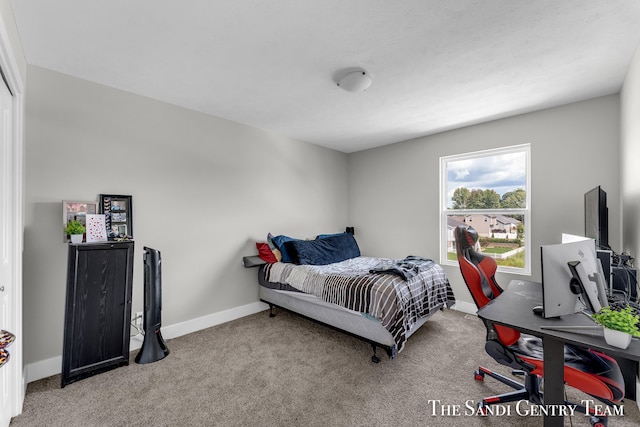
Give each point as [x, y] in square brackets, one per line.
[478, 271]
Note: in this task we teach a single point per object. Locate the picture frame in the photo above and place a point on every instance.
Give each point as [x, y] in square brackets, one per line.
[96, 228]
[76, 210]
[118, 213]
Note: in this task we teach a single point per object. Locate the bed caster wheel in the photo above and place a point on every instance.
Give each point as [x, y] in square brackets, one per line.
[478, 375]
[375, 359]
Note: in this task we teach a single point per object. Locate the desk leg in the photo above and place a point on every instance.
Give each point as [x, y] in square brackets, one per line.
[553, 378]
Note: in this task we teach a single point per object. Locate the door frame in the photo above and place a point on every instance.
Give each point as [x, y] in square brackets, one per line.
[15, 83]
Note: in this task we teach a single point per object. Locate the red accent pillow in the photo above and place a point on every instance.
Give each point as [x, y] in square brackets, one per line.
[264, 252]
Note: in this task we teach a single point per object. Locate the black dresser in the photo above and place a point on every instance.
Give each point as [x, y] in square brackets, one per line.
[97, 320]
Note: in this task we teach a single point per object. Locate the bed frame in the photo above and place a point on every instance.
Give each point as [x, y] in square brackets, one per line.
[331, 315]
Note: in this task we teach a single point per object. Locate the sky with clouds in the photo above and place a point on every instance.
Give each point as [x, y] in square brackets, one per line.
[501, 172]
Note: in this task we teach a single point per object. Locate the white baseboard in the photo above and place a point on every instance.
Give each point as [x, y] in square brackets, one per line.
[465, 307]
[44, 368]
[194, 325]
[53, 366]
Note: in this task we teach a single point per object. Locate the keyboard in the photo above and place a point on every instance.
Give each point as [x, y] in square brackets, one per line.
[617, 304]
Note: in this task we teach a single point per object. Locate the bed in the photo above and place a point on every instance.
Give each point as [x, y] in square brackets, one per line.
[380, 300]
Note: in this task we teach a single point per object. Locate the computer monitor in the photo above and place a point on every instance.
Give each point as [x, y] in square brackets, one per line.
[570, 238]
[596, 216]
[561, 295]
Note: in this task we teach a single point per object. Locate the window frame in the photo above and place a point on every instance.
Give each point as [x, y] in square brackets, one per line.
[526, 212]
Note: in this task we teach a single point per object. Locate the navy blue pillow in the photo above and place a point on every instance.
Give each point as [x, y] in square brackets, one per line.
[324, 236]
[279, 242]
[323, 251]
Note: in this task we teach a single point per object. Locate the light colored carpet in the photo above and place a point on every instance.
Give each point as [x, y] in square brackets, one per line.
[288, 371]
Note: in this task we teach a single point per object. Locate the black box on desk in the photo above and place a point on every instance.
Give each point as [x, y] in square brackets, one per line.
[625, 279]
[606, 259]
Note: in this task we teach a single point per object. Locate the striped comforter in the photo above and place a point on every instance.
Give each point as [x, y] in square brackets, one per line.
[397, 303]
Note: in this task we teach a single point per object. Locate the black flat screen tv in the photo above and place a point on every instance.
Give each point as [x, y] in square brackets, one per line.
[596, 217]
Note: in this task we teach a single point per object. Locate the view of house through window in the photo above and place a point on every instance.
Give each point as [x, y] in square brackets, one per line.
[488, 190]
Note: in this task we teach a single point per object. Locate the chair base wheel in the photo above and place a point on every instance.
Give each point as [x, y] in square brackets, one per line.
[598, 421]
[375, 359]
[482, 408]
[478, 375]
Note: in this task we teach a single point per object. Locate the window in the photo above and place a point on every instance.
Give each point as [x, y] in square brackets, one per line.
[491, 190]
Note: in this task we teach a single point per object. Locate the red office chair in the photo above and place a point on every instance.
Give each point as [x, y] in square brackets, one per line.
[595, 373]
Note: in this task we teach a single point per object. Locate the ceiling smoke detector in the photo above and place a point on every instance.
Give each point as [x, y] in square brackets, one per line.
[355, 81]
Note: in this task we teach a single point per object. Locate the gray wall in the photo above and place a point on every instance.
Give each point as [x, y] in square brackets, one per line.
[234, 184]
[204, 190]
[630, 157]
[394, 190]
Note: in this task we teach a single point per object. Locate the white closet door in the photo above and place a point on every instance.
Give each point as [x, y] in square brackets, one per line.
[7, 372]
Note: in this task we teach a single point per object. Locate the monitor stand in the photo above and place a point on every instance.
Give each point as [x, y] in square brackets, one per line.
[589, 291]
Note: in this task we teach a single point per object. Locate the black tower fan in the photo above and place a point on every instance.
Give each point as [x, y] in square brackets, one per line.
[153, 346]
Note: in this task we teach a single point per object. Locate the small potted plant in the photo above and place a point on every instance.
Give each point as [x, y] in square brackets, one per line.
[75, 229]
[619, 325]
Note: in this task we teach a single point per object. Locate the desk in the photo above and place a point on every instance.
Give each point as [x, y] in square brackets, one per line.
[513, 308]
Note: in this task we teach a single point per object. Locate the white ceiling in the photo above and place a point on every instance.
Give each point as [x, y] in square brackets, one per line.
[436, 65]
